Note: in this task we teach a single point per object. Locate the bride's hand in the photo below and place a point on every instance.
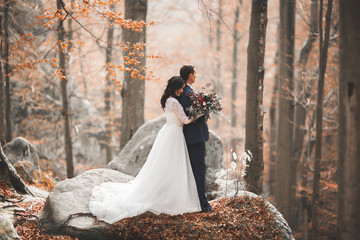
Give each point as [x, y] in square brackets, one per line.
[197, 116]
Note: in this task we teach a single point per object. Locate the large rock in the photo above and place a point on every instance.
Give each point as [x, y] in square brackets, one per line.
[134, 154]
[66, 209]
[7, 230]
[280, 221]
[221, 185]
[22, 154]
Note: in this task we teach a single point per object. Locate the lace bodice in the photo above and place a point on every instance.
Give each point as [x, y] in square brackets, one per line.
[175, 112]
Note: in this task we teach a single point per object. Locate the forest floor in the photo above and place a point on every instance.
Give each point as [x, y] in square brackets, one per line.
[239, 218]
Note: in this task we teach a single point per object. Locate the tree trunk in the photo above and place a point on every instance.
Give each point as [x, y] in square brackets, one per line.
[235, 68]
[82, 74]
[304, 204]
[323, 47]
[9, 174]
[133, 91]
[2, 92]
[8, 135]
[349, 116]
[254, 95]
[108, 90]
[301, 104]
[286, 107]
[70, 39]
[218, 85]
[65, 101]
[272, 140]
[305, 207]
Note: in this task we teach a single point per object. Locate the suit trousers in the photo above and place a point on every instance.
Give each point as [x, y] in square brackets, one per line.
[197, 160]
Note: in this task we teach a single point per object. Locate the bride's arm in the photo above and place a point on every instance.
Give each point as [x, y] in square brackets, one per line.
[176, 107]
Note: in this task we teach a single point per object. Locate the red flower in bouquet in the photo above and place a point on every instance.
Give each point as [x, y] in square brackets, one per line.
[204, 103]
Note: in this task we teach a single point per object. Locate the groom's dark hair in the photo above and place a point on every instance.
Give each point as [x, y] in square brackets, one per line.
[185, 71]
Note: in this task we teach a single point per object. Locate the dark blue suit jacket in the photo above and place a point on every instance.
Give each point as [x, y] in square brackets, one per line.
[197, 131]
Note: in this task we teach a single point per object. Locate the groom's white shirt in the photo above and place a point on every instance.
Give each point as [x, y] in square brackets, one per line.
[190, 86]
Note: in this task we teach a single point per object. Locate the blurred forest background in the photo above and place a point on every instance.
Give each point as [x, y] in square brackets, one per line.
[80, 86]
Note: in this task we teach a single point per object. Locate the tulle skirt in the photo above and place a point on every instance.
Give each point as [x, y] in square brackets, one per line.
[165, 184]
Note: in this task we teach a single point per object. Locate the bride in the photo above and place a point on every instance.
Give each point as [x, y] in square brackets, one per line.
[165, 184]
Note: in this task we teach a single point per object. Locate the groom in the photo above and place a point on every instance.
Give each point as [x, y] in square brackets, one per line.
[196, 134]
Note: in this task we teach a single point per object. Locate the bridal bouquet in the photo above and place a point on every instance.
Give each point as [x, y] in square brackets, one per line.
[204, 103]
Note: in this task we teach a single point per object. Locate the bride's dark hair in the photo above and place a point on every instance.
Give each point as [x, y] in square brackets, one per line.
[174, 83]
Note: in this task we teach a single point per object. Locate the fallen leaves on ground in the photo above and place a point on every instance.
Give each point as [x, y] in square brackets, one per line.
[29, 230]
[27, 225]
[7, 192]
[26, 217]
[242, 218]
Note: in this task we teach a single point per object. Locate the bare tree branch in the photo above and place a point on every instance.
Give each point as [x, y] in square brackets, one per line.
[208, 12]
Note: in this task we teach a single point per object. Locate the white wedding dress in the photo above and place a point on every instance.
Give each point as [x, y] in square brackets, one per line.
[165, 184]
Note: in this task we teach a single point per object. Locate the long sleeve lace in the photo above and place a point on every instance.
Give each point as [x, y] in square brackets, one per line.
[172, 105]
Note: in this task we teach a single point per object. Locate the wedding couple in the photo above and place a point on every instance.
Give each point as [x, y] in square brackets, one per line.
[172, 180]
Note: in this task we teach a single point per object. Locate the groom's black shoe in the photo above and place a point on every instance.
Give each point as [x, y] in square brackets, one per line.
[207, 210]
